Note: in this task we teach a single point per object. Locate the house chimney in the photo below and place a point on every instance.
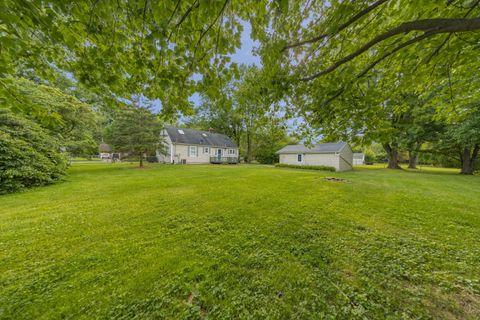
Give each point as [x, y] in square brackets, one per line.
[211, 130]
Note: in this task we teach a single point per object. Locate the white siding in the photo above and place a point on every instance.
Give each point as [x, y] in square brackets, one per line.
[341, 161]
[322, 159]
[288, 158]
[346, 158]
[166, 158]
[180, 152]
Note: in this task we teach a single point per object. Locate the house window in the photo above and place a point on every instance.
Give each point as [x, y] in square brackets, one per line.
[192, 151]
[231, 151]
[206, 150]
[299, 157]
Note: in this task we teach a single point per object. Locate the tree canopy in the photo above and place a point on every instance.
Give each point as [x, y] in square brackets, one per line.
[122, 49]
[395, 72]
[348, 67]
[135, 131]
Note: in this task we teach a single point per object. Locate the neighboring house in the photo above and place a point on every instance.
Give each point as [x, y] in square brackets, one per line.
[189, 146]
[338, 155]
[106, 155]
[358, 158]
[104, 151]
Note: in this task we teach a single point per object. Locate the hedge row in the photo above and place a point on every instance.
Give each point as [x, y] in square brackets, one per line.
[323, 168]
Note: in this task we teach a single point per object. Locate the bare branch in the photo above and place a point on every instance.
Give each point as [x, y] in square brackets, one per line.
[429, 26]
[373, 64]
[174, 12]
[340, 28]
[386, 55]
[333, 97]
[437, 49]
[194, 5]
[212, 24]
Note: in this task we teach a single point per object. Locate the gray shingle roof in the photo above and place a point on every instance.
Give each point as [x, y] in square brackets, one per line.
[318, 148]
[206, 138]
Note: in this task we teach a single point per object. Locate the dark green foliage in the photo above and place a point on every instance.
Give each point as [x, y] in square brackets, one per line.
[65, 117]
[28, 155]
[122, 48]
[135, 131]
[322, 168]
[246, 112]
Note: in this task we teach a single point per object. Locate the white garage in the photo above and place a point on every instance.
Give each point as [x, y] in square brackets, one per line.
[338, 155]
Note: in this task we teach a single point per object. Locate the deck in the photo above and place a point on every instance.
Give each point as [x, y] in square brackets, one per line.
[229, 160]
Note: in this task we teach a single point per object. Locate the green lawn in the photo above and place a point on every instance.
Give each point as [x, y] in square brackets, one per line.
[114, 241]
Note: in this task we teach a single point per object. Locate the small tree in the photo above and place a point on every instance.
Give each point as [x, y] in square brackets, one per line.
[135, 130]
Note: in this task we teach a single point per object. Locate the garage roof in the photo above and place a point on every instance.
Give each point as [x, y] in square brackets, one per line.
[317, 148]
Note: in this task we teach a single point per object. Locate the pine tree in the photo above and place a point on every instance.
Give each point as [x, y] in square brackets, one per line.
[135, 130]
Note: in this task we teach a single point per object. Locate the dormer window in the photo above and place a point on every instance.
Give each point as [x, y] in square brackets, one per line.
[181, 131]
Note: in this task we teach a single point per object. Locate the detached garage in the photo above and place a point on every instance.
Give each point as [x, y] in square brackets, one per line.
[338, 155]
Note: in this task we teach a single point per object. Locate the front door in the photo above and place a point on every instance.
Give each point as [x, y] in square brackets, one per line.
[219, 154]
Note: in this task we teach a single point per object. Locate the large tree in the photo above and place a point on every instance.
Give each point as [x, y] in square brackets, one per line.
[245, 110]
[461, 139]
[122, 48]
[135, 130]
[345, 63]
[71, 121]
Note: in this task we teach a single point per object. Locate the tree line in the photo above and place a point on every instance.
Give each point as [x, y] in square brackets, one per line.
[398, 73]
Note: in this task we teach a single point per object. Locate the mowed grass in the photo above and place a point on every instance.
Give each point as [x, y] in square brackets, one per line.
[224, 242]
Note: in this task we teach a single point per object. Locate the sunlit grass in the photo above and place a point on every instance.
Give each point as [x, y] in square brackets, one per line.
[242, 241]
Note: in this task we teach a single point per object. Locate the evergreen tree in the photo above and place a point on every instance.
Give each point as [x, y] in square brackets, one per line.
[135, 130]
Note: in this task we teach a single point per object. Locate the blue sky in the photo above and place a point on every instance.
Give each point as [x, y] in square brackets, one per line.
[244, 55]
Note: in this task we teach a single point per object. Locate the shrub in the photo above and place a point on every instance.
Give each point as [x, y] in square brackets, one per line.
[323, 168]
[28, 155]
[369, 157]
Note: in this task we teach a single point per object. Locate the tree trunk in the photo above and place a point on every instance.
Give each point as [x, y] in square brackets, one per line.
[468, 160]
[412, 159]
[249, 148]
[141, 160]
[392, 155]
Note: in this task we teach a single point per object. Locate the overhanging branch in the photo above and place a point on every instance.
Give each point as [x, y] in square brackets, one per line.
[340, 27]
[428, 26]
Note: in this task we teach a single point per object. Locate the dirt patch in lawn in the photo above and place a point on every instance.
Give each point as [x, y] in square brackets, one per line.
[333, 179]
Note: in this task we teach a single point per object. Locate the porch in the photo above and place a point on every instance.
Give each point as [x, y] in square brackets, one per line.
[229, 160]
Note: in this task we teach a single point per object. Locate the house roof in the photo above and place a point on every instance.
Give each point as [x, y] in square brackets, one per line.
[206, 138]
[318, 148]
[358, 155]
[103, 147]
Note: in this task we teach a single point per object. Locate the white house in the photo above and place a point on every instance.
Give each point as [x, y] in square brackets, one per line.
[338, 155]
[188, 146]
[358, 158]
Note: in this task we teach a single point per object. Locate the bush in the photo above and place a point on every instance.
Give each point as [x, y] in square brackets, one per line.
[323, 168]
[28, 155]
[152, 159]
[267, 158]
[369, 157]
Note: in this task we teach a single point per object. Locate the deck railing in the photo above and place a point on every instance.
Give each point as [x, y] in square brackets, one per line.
[217, 159]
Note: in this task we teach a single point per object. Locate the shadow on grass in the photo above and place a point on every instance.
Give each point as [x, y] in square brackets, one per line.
[420, 170]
